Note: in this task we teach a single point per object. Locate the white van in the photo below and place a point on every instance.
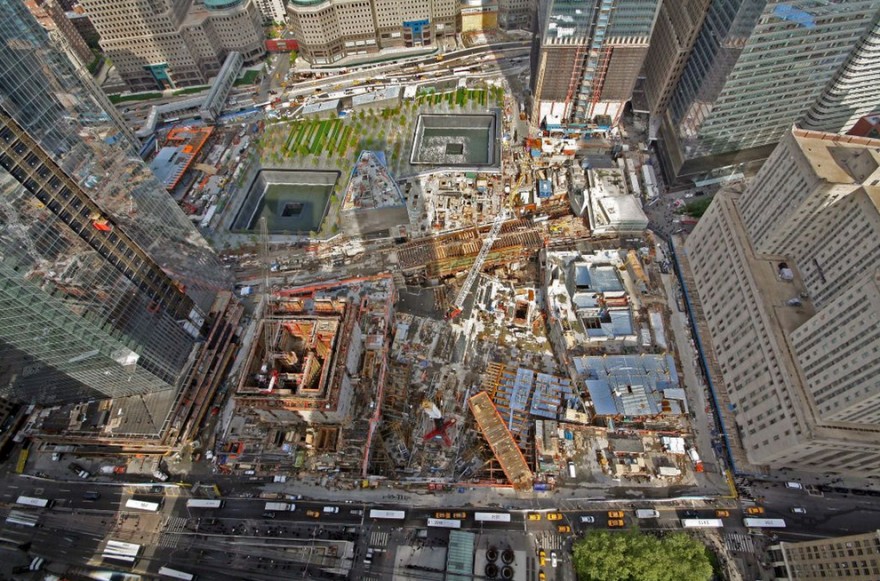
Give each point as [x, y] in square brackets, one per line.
[796, 485]
[331, 509]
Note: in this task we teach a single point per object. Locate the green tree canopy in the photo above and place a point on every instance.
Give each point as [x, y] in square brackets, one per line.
[635, 556]
[697, 208]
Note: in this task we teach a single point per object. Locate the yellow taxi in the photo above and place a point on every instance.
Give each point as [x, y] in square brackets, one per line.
[720, 513]
[755, 510]
[615, 514]
[459, 515]
[534, 516]
[542, 557]
[615, 522]
[563, 528]
[442, 515]
[313, 513]
[554, 516]
[542, 576]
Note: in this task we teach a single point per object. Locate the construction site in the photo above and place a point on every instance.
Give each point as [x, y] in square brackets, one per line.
[310, 393]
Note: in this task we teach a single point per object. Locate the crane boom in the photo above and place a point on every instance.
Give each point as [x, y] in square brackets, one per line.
[458, 303]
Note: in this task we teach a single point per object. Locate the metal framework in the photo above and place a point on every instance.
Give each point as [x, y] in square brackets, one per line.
[501, 441]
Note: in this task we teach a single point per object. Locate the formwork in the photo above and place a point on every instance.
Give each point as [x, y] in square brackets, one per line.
[501, 441]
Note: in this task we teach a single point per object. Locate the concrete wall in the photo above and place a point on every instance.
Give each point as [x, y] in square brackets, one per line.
[264, 177]
[466, 121]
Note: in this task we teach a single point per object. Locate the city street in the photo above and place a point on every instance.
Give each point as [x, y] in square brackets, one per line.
[188, 537]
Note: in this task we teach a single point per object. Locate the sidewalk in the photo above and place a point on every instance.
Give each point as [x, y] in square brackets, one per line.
[702, 424]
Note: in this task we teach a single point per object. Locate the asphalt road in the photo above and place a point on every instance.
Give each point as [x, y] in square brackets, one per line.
[238, 541]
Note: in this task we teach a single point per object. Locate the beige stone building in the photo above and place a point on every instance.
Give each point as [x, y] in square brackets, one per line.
[330, 30]
[157, 44]
[851, 557]
[789, 278]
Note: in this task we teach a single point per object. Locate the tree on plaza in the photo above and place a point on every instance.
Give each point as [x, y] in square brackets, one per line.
[636, 556]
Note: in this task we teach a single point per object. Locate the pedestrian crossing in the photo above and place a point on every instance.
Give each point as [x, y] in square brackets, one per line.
[170, 537]
[550, 541]
[379, 539]
[739, 542]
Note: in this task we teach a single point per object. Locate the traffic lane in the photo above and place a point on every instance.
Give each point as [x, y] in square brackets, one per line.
[255, 507]
[69, 494]
[823, 514]
[271, 530]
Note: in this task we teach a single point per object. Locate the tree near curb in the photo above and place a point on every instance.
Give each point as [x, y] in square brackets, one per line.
[636, 556]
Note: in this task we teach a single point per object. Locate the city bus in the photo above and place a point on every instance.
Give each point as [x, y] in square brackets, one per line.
[203, 503]
[142, 505]
[444, 523]
[492, 516]
[19, 517]
[764, 523]
[702, 523]
[175, 574]
[121, 551]
[33, 501]
[388, 514]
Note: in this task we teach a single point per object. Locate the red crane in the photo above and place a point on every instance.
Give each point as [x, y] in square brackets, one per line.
[441, 431]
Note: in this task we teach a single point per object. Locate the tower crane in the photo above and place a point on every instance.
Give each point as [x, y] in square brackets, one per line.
[458, 303]
[268, 363]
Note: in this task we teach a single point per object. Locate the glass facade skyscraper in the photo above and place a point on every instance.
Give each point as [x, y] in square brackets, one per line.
[104, 282]
[756, 67]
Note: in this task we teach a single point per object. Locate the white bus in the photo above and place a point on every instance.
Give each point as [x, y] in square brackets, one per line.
[118, 557]
[33, 501]
[492, 517]
[764, 523]
[18, 517]
[121, 551]
[702, 523]
[175, 574]
[389, 514]
[444, 523]
[122, 547]
[203, 503]
[142, 505]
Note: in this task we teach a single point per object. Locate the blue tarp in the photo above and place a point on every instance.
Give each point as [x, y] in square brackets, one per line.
[794, 15]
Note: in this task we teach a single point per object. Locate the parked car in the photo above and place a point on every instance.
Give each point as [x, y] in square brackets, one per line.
[313, 513]
[799, 510]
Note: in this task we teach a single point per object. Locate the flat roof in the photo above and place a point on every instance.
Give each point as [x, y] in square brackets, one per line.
[389, 92]
[630, 385]
[320, 107]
